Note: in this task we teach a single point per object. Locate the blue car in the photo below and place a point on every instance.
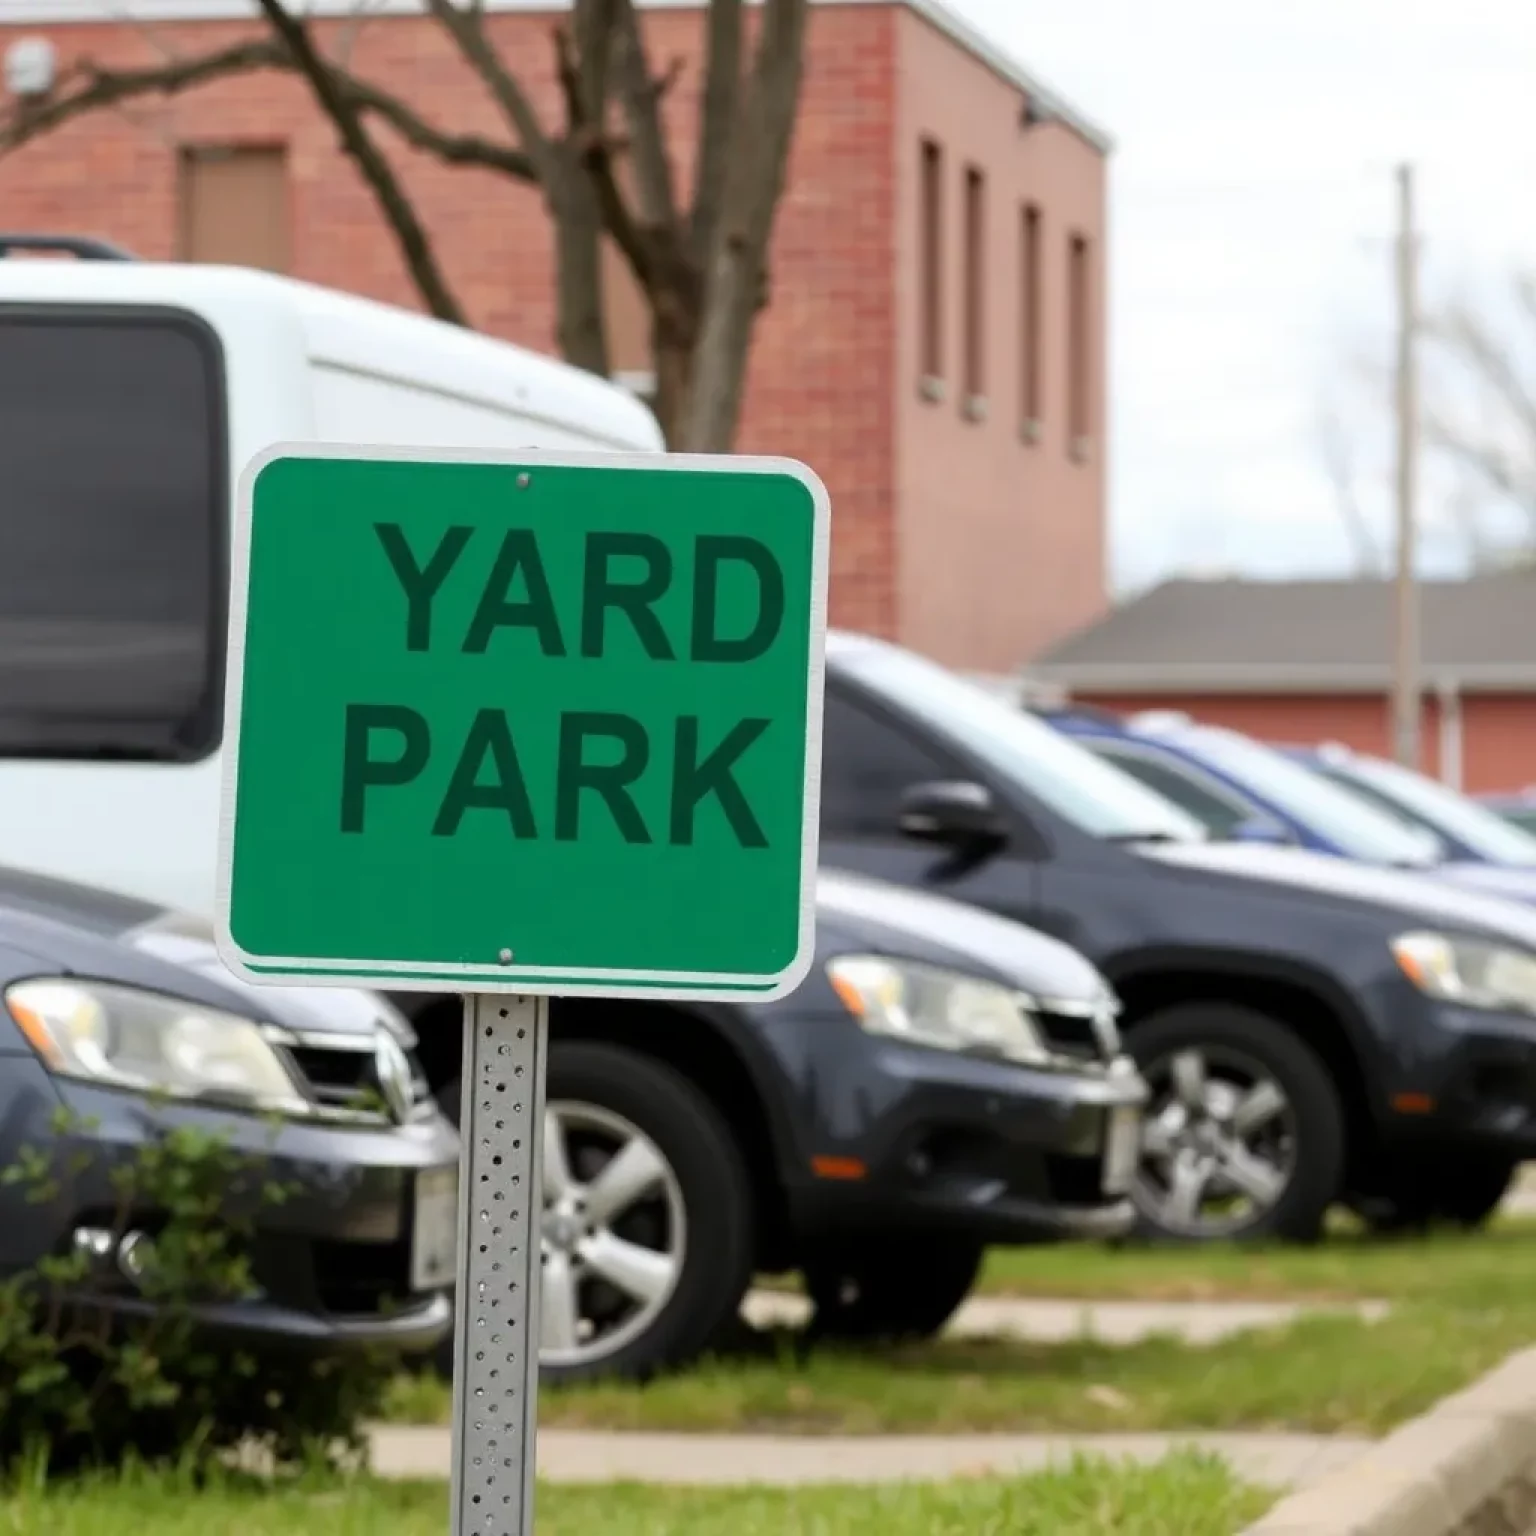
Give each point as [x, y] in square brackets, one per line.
[1469, 831]
[1242, 790]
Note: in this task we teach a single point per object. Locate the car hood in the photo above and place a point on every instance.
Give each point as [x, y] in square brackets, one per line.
[1425, 898]
[855, 913]
[81, 929]
[1496, 879]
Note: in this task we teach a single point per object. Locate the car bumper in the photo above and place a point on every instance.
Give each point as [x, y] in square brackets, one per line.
[925, 1139]
[338, 1263]
[1479, 1085]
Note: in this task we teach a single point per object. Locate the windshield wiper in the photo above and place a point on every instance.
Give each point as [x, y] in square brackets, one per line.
[1150, 836]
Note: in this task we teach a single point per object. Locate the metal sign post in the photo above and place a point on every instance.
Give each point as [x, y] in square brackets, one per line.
[496, 1324]
[513, 727]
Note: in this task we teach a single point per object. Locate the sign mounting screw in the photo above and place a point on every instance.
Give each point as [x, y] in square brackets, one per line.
[523, 481]
[505, 957]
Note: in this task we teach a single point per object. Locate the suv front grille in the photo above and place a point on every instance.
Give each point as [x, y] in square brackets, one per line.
[1079, 1032]
[362, 1278]
[342, 1075]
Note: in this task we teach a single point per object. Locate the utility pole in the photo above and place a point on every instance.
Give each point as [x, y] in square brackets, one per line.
[1407, 687]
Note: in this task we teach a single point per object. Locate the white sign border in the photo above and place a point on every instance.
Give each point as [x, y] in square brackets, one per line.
[419, 976]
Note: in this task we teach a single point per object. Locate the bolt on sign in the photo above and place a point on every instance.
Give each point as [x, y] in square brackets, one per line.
[516, 726]
[547, 724]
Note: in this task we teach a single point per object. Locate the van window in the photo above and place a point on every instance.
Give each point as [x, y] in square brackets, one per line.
[111, 534]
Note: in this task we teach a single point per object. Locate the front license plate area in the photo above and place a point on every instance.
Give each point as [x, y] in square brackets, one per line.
[434, 1231]
[1122, 1149]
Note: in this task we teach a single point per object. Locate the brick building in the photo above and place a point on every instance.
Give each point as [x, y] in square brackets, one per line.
[1307, 661]
[935, 344]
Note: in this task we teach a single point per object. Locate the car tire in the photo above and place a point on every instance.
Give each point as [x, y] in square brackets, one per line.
[1288, 1166]
[711, 1179]
[1458, 1189]
[889, 1290]
[612, 1085]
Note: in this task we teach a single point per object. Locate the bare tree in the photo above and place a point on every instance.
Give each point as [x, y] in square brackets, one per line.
[1481, 414]
[605, 170]
[1478, 424]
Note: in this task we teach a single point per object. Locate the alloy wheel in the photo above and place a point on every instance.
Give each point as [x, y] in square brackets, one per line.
[614, 1233]
[1218, 1146]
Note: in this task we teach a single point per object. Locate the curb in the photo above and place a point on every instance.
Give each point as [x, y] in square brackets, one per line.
[1465, 1468]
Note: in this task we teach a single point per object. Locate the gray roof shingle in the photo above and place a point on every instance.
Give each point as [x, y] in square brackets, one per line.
[1299, 636]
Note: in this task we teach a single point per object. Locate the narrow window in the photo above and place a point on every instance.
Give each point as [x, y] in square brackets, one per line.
[1079, 342]
[1031, 404]
[234, 206]
[975, 291]
[932, 274]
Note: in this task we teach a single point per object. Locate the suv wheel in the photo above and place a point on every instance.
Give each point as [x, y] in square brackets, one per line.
[1461, 1189]
[889, 1290]
[647, 1240]
[1244, 1133]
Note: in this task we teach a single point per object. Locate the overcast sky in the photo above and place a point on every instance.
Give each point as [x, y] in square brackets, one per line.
[1252, 206]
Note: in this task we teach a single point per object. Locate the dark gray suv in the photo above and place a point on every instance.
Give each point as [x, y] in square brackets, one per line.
[119, 1021]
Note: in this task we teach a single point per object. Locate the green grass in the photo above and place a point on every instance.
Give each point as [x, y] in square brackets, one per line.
[1185, 1495]
[1448, 1268]
[1458, 1306]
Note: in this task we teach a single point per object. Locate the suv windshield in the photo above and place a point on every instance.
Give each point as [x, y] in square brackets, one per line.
[1356, 828]
[1069, 779]
[1429, 804]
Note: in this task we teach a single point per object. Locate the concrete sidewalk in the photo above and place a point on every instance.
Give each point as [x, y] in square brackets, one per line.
[588, 1456]
[1046, 1321]
[1521, 1200]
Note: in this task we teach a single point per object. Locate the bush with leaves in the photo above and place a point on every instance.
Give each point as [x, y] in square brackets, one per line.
[91, 1376]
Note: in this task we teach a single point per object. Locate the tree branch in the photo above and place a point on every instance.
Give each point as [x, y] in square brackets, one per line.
[586, 137]
[467, 28]
[454, 148]
[641, 96]
[717, 126]
[736, 275]
[1472, 343]
[86, 88]
[342, 107]
[592, 26]
[89, 89]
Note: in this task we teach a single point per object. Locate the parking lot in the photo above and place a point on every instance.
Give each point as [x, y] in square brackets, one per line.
[639, 891]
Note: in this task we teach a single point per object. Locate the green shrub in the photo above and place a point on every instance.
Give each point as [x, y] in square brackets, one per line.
[85, 1385]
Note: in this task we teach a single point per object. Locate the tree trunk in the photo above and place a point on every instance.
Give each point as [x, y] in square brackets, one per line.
[673, 360]
[580, 331]
[735, 277]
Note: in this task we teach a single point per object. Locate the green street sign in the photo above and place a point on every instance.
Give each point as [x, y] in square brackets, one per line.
[536, 723]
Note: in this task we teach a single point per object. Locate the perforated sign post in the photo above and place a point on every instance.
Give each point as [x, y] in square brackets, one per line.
[516, 726]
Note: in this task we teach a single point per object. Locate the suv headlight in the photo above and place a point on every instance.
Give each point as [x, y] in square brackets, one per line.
[124, 1038]
[1472, 972]
[929, 1006]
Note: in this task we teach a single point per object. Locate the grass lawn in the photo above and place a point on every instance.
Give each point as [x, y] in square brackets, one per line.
[1459, 1305]
[1186, 1495]
[1497, 1265]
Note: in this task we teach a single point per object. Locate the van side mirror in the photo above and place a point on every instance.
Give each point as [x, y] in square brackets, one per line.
[951, 811]
[1260, 829]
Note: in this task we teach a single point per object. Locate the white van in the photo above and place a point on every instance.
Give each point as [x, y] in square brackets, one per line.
[131, 395]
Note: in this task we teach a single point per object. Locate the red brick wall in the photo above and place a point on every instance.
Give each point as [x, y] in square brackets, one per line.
[1498, 730]
[1500, 751]
[819, 387]
[1001, 540]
